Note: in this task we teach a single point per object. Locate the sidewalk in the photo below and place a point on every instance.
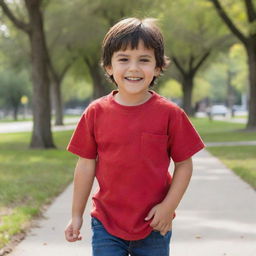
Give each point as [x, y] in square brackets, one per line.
[217, 217]
[26, 126]
[231, 143]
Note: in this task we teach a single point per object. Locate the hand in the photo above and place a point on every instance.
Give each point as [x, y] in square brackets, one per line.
[162, 220]
[72, 231]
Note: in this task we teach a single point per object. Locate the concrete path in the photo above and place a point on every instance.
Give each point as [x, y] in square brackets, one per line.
[231, 143]
[231, 120]
[26, 126]
[217, 217]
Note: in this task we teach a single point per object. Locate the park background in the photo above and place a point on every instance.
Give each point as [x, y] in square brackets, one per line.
[49, 72]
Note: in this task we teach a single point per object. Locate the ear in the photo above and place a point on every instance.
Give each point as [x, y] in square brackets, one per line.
[157, 72]
[109, 70]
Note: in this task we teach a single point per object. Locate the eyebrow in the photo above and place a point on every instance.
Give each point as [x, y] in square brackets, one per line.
[127, 55]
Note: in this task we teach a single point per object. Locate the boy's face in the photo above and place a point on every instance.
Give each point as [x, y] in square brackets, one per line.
[133, 70]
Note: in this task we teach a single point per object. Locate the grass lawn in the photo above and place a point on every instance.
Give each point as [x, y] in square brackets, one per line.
[241, 159]
[10, 120]
[30, 179]
[218, 131]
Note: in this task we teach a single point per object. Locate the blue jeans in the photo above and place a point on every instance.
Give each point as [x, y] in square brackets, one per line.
[105, 244]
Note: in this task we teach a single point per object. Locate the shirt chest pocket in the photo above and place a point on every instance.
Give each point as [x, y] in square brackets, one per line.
[154, 148]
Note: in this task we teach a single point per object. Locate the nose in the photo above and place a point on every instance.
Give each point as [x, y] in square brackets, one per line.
[133, 66]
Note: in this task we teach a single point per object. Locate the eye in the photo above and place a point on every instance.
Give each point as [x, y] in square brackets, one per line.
[145, 60]
[123, 60]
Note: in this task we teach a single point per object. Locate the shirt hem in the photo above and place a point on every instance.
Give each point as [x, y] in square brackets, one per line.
[78, 152]
[190, 153]
[124, 235]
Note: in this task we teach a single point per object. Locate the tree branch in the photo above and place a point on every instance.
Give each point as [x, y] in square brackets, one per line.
[228, 21]
[68, 65]
[191, 61]
[201, 61]
[66, 68]
[18, 23]
[175, 60]
[251, 14]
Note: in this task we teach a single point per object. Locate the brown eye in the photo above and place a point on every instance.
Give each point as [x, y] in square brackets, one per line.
[123, 60]
[144, 60]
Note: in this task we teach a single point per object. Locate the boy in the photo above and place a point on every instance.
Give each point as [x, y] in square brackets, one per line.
[126, 140]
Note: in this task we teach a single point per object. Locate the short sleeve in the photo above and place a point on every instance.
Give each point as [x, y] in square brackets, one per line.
[184, 140]
[82, 142]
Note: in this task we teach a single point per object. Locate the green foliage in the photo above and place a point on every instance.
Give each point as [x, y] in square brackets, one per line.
[171, 89]
[237, 13]
[14, 47]
[12, 87]
[234, 63]
[191, 27]
[217, 77]
[76, 89]
[237, 56]
[201, 90]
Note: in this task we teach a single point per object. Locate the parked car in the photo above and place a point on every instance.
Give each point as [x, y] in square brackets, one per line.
[240, 110]
[218, 110]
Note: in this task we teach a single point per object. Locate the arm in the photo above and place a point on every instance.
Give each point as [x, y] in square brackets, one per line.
[164, 211]
[83, 181]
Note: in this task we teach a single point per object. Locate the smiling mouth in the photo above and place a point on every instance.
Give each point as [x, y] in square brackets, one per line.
[133, 78]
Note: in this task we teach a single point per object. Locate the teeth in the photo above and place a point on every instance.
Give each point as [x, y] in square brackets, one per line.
[133, 78]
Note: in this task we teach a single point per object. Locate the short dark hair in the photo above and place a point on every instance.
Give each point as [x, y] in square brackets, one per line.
[127, 33]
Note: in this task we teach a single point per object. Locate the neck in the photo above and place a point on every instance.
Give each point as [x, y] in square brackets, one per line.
[132, 100]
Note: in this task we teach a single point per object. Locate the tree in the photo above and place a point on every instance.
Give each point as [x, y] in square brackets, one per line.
[56, 81]
[41, 135]
[191, 41]
[249, 42]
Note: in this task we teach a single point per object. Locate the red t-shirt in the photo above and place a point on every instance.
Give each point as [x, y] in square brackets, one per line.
[133, 146]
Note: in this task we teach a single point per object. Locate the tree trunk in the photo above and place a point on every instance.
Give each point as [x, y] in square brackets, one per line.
[15, 112]
[187, 88]
[99, 89]
[187, 78]
[57, 101]
[42, 136]
[251, 52]
[56, 96]
[230, 99]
